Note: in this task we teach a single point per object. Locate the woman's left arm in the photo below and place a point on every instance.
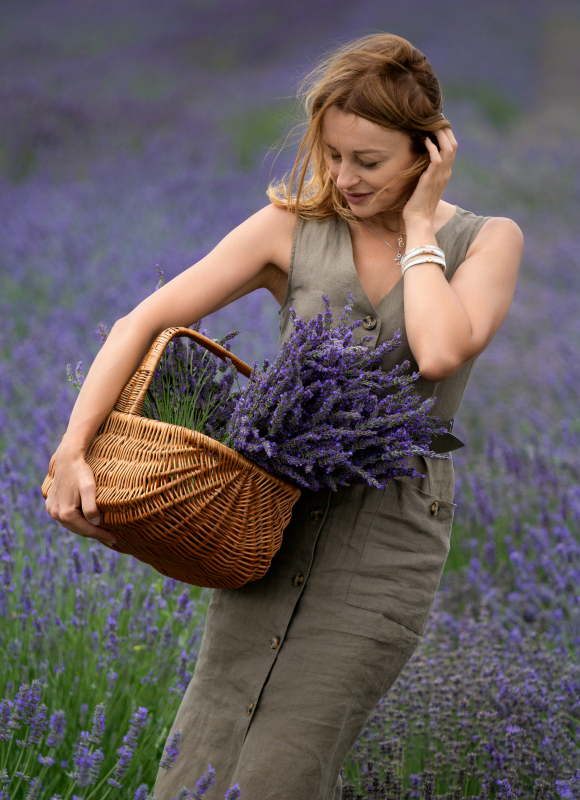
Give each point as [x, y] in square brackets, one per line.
[449, 323]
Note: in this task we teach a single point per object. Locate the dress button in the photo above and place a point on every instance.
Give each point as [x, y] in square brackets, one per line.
[249, 709]
[316, 514]
[369, 323]
[274, 642]
[298, 579]
[434, 508]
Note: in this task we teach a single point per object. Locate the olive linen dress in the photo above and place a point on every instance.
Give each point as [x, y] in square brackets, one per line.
[291, 665]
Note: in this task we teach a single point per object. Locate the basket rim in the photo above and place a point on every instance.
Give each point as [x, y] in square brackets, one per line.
[197, 435]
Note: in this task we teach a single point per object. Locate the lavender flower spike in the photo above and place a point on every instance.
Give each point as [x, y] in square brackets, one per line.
[38, 725]
[125, 754]
[98, 728]
[34, 789]
[183, 794]
[171, 751]
[234, 792]
[5, 714]
[136, 725]
[204, 783]
[87, 764]
[56, 727]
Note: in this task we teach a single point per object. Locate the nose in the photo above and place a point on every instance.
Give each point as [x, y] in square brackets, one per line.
[346, 177]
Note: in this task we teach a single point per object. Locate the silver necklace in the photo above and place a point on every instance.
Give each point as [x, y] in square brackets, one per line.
[400, 243]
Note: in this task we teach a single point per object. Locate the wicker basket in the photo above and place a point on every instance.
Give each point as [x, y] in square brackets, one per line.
[191, 507]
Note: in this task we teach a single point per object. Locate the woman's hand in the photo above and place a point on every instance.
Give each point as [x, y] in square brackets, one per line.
[72, 497]
[423, 203]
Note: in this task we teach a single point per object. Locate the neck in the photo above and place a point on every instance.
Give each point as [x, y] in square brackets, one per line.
[389, 222]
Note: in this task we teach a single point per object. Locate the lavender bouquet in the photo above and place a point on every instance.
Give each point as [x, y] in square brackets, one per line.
[194, 388]
[191, 387]
[326, 414]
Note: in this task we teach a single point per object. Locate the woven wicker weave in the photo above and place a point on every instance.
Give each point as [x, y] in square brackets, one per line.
[191, 507]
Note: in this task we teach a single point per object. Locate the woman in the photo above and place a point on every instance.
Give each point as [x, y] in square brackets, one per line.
[291, 665]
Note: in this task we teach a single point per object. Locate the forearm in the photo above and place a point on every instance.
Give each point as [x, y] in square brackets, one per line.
[118, 359]
[437, 325]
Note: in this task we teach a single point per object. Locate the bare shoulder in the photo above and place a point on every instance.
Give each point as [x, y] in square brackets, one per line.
[491, 264]
[499, 232]
[271, 232]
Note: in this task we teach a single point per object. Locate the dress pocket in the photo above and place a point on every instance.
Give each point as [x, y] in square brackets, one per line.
[400, 567]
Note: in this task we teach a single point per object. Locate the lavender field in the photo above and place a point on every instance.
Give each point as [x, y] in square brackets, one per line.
[137, 134]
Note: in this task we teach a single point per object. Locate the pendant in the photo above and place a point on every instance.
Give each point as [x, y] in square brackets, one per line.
[398, 258]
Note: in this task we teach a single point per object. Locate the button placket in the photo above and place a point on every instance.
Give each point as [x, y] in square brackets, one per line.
[316, 514]
[297, 579]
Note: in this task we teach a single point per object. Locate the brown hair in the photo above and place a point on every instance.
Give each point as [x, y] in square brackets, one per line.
[382, 78]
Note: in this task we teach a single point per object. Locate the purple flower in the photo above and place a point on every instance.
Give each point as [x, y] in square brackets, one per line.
[183, 675]
[171, 751]
[56, 728]
[204, 783]
[325, 413]
[193, 388]
[5, 715]
[25, 704]
[505, 791]
[127, 601]
[87, 764]
[98, 728]
[233, 793]
[38, 725]
[141, 792]
[125, 753]
[136, 725]
[102, 333]
[34, 789]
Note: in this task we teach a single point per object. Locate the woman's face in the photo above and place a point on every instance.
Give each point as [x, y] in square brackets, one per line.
[362, 158]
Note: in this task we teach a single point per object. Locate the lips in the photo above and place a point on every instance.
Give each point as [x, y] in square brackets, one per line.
[356, 198]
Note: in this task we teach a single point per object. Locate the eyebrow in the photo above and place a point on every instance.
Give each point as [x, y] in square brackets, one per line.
[356, 152]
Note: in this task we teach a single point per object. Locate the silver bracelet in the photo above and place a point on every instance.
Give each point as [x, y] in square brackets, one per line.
[425, 260]
[420, 250]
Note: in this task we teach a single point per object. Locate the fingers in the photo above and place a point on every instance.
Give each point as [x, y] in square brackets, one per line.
[447, 141]
[433, 151]
[73, 520]
[72, 500]
[88, 494]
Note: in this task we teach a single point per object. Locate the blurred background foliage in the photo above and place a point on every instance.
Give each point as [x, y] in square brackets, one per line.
[139, 133]
[165, 121]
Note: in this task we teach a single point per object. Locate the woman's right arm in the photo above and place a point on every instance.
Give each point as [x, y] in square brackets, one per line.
[253, 255]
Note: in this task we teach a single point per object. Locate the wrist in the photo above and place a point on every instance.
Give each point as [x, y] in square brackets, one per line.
[419, 227]
[73, 445]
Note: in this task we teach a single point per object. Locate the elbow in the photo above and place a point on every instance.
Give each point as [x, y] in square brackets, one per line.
[119, 325]
[437, 370]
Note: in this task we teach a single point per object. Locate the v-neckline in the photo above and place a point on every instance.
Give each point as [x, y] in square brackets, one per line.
[357, 276]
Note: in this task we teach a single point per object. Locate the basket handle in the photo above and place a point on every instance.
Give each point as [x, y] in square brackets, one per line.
[132, 397]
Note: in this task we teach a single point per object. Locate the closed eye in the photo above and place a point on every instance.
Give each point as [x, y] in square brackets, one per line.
[335, 157]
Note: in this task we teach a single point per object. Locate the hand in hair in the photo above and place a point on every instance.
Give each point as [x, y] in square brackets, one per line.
[423, 203]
